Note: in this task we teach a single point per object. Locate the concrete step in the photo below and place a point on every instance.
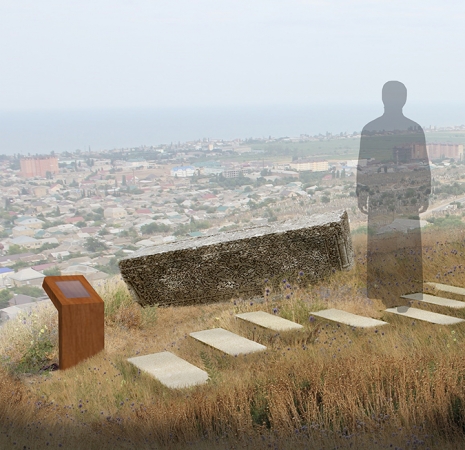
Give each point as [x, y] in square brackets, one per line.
[227, 342]
[435, 300]
[455, 292]
[269, 321]
[170, 370]
[347, 318]
[427, 316]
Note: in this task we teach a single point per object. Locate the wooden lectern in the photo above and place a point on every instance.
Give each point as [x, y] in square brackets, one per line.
[80, 318]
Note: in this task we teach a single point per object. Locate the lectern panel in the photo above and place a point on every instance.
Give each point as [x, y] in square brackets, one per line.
[72, 289]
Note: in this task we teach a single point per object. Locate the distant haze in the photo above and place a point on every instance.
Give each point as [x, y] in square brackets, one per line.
[59, 131]
[128, 55]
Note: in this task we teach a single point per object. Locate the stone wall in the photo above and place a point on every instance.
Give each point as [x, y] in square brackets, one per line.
[216, 268]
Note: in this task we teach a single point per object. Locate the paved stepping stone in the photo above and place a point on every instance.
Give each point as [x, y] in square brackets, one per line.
[170, 370]
[445, 288]
[427, 316]
[269, 321]
[347, 318]
[227, 342]
[434, 300]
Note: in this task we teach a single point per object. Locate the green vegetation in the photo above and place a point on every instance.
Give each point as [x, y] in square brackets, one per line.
[193, 225]
[263, 204]
[94, 245]
[32, 291]
[53, 272]
[334, 148]
[449, 221]
[46, 246]
[111, 268]
[15, 249]
[154, 227]
[5, 296]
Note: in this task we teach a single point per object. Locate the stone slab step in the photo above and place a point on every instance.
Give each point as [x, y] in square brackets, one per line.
[170, 370]
[435, 300]
[427, 316]
[227, 342]
[445, 288]
[269, 321]
[347, 318]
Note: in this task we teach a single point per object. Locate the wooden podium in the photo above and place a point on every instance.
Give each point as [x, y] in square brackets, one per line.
[80, 318]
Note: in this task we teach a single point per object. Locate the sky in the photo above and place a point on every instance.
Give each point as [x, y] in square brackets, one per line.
[61, 54]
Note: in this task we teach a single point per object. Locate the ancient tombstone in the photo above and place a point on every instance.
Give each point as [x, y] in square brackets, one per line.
[80, 318]
[171, 370]
[435, 300]
[269, 321]
[353, 320]
[227, 342]
[217, 268]
[427, 316]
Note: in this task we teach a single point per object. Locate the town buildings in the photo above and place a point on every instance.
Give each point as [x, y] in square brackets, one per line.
[38, 166]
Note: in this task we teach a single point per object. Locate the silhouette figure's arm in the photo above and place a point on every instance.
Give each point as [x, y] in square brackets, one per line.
[424, 178]
[362, 189]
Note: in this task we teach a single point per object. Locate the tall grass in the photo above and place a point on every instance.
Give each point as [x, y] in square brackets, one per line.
[399, 385]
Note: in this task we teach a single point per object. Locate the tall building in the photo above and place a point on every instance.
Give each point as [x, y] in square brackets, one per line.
[38, 166]
[437, 151]
[314, 165]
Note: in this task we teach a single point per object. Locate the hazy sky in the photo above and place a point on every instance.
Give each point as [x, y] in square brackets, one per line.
[158, 53]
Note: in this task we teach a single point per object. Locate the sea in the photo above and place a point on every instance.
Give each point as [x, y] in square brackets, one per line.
[42, 131]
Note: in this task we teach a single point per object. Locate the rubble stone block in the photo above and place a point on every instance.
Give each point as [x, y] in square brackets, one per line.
[209, 269]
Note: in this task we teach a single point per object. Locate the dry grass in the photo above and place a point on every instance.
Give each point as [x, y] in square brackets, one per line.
[330, 386]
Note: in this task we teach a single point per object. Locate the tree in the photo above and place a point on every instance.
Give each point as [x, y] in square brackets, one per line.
[94, 245]
[54, 271]
[19, 265]
[15, 249]
[154, 228]
[112, 267]
[5, 296]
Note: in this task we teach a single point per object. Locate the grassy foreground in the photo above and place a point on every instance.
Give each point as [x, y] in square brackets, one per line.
[398, 386]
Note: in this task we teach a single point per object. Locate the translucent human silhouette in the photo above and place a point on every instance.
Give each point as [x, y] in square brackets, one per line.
[393, 187]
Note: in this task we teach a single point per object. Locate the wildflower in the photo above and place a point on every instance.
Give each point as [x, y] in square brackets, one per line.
[42, 330]
[301, 273]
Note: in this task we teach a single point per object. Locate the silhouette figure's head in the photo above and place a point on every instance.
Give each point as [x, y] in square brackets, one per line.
[394, 95]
